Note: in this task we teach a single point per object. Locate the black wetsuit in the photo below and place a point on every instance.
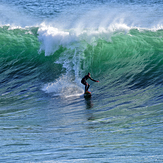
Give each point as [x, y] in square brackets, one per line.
[83, 81]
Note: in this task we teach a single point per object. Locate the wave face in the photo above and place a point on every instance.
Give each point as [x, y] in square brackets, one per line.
[128, 58]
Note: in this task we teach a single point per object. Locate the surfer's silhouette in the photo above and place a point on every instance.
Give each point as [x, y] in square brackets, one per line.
[83, 81]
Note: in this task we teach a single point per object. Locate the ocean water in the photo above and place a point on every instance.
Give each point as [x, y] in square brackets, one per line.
[47, 46]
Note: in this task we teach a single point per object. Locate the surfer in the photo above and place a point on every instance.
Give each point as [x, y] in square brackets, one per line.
[83, 81]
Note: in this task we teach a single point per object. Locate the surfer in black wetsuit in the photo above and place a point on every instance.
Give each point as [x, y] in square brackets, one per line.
[83, 81]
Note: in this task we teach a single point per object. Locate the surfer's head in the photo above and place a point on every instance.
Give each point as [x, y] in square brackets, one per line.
[89, 74]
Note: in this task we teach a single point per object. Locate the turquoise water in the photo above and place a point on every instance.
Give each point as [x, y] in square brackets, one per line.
[46, 48]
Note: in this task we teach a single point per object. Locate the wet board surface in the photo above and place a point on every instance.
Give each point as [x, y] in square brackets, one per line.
[87, 94]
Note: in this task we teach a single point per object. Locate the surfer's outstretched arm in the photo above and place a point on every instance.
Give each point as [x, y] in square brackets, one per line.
[89, 76]
[93, 79]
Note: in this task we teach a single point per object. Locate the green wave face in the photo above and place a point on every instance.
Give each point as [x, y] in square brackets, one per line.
[132, 59]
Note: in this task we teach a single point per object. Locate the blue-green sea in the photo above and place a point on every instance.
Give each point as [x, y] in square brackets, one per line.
[47, 47]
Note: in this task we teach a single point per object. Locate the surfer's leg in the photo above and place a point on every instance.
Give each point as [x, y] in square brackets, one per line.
[84, 83]
[87, 87]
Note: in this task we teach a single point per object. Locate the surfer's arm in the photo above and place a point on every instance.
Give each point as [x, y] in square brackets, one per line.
[93, 80]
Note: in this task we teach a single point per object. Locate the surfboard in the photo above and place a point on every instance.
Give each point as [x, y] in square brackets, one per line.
[87, 94]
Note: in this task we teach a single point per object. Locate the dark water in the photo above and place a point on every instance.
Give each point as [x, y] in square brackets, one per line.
[46, 47]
